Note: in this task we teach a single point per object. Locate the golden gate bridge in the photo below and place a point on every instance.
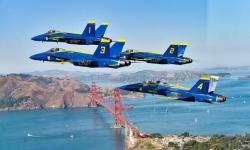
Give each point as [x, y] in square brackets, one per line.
[132, 133]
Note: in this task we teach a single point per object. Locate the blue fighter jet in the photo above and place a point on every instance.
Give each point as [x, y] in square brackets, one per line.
[90, 35]
[101, 58]
[173, 55]
[202, 91]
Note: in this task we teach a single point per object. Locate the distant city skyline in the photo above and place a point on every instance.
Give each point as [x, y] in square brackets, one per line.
[217, 31]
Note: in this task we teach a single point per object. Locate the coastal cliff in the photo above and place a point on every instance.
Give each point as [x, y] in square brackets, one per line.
[191, 142]
[26, 92]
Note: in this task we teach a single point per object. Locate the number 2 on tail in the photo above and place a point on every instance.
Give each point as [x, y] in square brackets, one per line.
[171, 50]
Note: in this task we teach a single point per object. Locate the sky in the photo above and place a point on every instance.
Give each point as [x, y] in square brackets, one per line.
[217, 31]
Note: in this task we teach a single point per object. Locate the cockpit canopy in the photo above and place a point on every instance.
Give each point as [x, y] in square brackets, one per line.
[129, 51]
[52, 31]
[152, 82]
[55, 50]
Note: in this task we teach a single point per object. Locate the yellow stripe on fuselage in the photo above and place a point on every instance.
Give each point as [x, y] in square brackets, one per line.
[142, 59]
[64, 33]
[61, 63]
[70, 33]
[152, 91]
[73, 51]
[176, 86]
[149, 52]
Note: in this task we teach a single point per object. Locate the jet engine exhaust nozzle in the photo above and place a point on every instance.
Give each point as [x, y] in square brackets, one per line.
[220, 98]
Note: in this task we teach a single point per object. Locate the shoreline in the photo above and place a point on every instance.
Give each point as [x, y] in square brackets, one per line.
[190, 142]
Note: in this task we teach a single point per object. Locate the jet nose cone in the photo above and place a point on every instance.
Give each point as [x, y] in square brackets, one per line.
[34, 38]
[34, 57]
[37, 57]
[132, 87]
[124, 87]
[37, 38]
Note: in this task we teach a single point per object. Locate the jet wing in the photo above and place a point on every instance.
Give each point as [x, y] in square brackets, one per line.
[60, 39]
[66, 36]
[188, 99]
[178, 95]
[143, 58]
[84, 62]
[61, 63]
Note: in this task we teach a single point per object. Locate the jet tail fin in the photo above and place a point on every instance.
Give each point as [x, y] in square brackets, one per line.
[175, 50]
[100, 31]
[104, 51]
[116, 48]
[89, 30]
[205, 85]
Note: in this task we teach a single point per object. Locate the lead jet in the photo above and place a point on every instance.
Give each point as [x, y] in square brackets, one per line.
[202, 91]
[173, 55]
[90, 35]
[101, 58]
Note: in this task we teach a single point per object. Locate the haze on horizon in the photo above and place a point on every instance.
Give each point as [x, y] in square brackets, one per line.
[217, 31]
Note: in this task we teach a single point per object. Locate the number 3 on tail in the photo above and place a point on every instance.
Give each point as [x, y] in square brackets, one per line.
[103, 48]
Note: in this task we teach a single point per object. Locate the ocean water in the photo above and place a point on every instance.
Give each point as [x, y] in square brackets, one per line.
[73, 129]
[86, 128]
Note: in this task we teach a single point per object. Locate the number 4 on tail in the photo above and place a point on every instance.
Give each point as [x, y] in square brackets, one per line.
[200, 86]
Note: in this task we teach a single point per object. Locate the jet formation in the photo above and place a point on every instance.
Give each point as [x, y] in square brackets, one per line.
[106, 56]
